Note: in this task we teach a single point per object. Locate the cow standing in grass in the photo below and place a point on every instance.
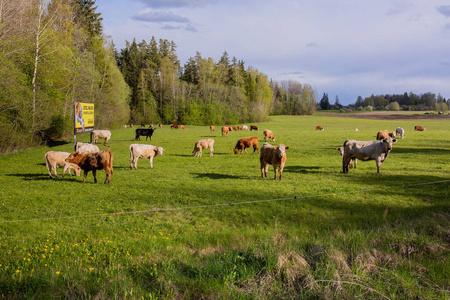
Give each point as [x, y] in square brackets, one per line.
[376, 150]
[247, 142]
[272, 155]
[101, 134]
[102, 160]
[203, 144]
[144, 151]
[55, 159]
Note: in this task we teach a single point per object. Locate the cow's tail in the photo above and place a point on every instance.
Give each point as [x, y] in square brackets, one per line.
[111, 160]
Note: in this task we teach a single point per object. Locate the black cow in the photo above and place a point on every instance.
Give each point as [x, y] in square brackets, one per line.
[144, 132]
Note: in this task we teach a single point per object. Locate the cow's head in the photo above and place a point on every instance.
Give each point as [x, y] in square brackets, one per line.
[159, 150]
[281, 150]
[341, 150]
[74, 158]
[388, 143]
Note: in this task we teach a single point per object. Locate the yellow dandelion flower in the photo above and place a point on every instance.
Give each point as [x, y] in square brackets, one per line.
[57, 272]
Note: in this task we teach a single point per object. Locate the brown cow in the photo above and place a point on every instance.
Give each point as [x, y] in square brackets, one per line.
[211, 128]
[182, 127]
[234, 128]
[268, 134]
[253, 127]
[173, 126]
[160, 125]
[247, 142]
[225, 130]
[239, 128]
[102, 160]
[419, 128]
[384, 134]
[318, 127]
[275, 156]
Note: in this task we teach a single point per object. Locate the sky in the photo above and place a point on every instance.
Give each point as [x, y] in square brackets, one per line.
[345, 48]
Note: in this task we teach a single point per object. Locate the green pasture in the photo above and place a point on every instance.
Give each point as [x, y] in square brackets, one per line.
[211, 227]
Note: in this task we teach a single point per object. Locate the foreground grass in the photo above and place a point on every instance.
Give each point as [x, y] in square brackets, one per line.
[210, 227]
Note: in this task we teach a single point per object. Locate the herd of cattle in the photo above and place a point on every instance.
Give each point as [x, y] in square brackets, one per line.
[88, 157]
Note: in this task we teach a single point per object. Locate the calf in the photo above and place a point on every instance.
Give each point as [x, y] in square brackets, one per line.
[86, 148]
[377, 150]
[275, 156]
[144, 132]
[101, 134]
[319, 127]
[247, 142]
[211, 128]
[102, 160]
[253, 127]
[383, 134]
[268, 134]
[143, 151]
[400, 132]
[54, 159]
[225, 130]
[203, 144]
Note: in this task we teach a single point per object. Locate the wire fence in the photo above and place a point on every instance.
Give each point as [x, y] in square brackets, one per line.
[228, 204]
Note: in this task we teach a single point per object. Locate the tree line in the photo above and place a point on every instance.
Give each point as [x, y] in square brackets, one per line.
[53, 53]
[395, 102]
[203, 91]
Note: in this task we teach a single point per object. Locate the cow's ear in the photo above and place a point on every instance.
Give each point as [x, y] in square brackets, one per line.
[286, 148]
[394, 140]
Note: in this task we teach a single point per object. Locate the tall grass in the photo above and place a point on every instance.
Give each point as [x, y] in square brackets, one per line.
[211, 227]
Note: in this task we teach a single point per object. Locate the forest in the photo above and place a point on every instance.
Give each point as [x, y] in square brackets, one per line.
[54, 53]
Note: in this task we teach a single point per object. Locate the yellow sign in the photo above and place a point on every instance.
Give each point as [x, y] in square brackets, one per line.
[84, 117]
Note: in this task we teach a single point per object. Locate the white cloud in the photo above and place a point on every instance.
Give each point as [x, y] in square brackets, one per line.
[148, 15]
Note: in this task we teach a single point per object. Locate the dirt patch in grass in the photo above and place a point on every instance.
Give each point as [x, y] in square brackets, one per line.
[389, 115]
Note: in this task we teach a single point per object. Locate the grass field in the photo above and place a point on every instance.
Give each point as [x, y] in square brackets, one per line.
[211, 227]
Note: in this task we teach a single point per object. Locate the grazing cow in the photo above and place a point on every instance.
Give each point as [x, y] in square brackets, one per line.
[125, 126]
[268, 134]
[400, 132]
[182, 127]
[247, 142]
[144, 151]
[318, 127]
[225, 130]
[174, 126]
[86, 148]
[160, 125]
[376, 150]
[419, 128]
[275, 156]
[352, 162]
[131, 125]
[234, 128]
[144, 132]
[55, 159]
[151, 126]
[383, 134]
[239, 128]
[142, 124]
[203, 144]
[211, 128]
[253, 127]
[101, 134]
[244, 127]
[102, 160]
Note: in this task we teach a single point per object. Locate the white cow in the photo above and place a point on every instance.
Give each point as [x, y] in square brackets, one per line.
[375, 150]
[203, 144]
[86, 148]
[400, 131]
[244, 127]
[143, 151]
[55, 159]
[101, 134]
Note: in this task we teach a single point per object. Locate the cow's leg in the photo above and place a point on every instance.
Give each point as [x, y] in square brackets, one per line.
[94, 172]
[345, 162]
[66, 168]
[275, 170]
[378, 161]
[266, 169]
[281, 171]
[151, 162]
[54, 168]
[211, 152]
[199, 153]
[85, 175]
[108, 175]
[261, 163]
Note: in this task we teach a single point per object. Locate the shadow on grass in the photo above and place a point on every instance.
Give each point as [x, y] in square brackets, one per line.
[29, 176]
[216, 176]
[301, 169]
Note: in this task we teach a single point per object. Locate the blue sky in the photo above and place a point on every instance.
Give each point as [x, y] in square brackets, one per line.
[348, 48]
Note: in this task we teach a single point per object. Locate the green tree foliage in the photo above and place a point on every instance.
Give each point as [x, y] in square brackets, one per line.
[50, 60]
[325, 102]
[292, 98]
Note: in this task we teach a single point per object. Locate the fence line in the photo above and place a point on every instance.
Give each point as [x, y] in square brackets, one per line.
[221, 204]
